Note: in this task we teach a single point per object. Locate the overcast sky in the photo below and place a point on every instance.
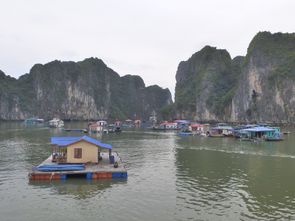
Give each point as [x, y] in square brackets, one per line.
[139, 37]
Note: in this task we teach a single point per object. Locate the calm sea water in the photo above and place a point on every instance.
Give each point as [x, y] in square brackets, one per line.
[170, 178]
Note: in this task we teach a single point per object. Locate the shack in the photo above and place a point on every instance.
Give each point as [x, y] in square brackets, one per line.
[79, 157]
[77, 149]
[259, 132]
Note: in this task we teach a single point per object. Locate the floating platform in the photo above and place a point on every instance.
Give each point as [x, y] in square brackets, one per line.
[92, 171]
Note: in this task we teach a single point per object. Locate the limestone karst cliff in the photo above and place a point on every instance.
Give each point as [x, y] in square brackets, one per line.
[78, 91]
[258, 87]
[205, 84]
[266, 88]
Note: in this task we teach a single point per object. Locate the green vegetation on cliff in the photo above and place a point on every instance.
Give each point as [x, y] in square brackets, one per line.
[79, 90]
[278, 49]
[260, 87]
[208, 80]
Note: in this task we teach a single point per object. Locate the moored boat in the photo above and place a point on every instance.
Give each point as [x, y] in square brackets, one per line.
[34, 121]
[56, 123]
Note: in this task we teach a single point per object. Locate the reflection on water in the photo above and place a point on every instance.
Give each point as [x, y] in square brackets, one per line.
[235, 180]
[170, 178]
[77, 188]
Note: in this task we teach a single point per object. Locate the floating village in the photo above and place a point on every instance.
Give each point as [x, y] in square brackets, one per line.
[87, 157]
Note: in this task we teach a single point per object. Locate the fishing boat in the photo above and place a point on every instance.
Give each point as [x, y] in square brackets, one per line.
[56, 123]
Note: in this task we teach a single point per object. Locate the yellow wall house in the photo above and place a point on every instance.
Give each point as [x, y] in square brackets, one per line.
[77, 149]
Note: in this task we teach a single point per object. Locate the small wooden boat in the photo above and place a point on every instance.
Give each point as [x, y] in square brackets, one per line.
[34, 121]
[183, 134]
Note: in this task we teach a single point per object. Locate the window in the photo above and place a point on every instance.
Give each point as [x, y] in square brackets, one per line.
[78, 153]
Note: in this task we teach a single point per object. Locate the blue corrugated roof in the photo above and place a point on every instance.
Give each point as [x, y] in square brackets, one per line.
[259, 129]
[182, 121]
[66, 141]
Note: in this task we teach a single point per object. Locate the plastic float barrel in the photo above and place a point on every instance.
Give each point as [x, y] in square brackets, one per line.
[119, 175]
[47, 177]
[109, 175]
[94, 176]
[104, 175]
[55, 177]
[89, 176]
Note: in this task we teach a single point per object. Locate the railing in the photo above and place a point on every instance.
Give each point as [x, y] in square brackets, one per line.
[59, 159]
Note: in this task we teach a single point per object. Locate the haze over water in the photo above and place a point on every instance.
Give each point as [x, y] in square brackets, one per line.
[169, 178]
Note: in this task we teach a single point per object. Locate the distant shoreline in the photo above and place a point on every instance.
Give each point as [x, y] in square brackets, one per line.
[211, 122]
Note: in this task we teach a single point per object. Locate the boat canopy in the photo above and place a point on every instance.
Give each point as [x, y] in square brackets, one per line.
[259, 129]
[222, 128]
[66, 141]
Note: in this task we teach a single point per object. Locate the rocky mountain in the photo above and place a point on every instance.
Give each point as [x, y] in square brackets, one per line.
[205, 84]
[259, 87]
[266, 89]
[78, 91]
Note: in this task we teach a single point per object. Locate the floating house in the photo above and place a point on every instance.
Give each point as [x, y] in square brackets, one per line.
[77, 149]
[98, 127]
[221, 131]
[128, 124]
[263, 133]
[79, 157]
[182, 124]
[238, 131]
[200, 129]
[166, 126]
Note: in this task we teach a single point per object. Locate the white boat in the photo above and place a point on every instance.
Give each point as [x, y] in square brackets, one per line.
[56, 123]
